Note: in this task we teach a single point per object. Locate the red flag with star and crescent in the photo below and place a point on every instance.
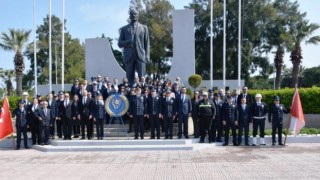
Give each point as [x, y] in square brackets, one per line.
[6, 127]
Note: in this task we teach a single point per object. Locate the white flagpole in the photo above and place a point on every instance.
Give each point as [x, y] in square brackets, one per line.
[239, 46]
[224, 43]
[211, 48]
[50, 53]
[35, 49]
[62, 49]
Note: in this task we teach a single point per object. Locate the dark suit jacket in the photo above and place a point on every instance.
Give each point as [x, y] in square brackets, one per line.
[46, 118]
[53, 108]
[138, 105]
[184, 106]
[21, 117]
[142, 43]
[87, 108]
[64, 111]
[248, 98]
[244, 115]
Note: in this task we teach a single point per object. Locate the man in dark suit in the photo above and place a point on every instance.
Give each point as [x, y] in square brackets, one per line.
[229, 120]
[86, 115]
[134, 39]
[45, 121]
[184, 112]
[33, 120]
[154, 113]
[138, 110]
[168, 113]
[244, 94]
[21, 124]
[244, 121]
[52, 105]
[67, 118]
[75, 89]
[99, 115]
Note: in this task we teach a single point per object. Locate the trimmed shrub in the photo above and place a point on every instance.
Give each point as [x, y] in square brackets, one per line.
[309, 98]
[195, 80]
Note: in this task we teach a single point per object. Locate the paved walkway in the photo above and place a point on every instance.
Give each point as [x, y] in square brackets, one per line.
[295, 161]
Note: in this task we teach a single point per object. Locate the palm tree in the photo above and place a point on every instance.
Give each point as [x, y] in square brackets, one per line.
[15, 41]
[7, 75]
[301, 32]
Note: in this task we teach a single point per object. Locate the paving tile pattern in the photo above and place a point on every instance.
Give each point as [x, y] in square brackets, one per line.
[295, 161]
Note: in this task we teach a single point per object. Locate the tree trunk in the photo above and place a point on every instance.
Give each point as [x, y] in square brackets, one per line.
[278, 63]
[19, 83]
[296, 61]
[19, 68]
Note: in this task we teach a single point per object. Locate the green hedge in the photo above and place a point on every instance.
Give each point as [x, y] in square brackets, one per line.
[310, 98]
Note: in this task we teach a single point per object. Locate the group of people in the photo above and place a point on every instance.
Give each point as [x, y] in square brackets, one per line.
[153, 105]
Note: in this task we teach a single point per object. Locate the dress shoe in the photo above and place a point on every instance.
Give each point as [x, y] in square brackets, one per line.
[254, 145]
[136, 138]
[83, 138]
[142, 137]
[46, 144]
[17, 148]
[65, 138]
[201, 141]
[26, 147]
[152, 138]
[179, 137]
[247, 144]
[187, 137]
[262, 144]
[235, 144]
[158, 137]
[69, 138]
[273, 144]
[280, 144]
[166, 138]
[171, 137]
[33, 143]
[42, 144]
[225, 144]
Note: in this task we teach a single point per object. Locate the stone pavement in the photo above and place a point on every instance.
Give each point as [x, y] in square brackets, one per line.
[295, 161]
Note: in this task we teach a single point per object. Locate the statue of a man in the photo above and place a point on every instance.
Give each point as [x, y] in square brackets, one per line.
[134, 39]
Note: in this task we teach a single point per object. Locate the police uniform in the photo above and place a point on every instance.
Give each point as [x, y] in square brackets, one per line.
[138, 109]
[217, 126]
[168, 111]
[154, 110]
[206, 113]
[21, 126]
[276, 117]
[229, 115]
[258, 112]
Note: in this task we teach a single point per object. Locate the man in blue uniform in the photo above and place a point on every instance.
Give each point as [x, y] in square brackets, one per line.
[217, 127]
[276, 117]
[154, 113]
[99, 115]
[21, 124]
[138, 110]
[229, 120]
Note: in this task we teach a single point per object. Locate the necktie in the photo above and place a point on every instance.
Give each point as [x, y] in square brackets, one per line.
[45, 112]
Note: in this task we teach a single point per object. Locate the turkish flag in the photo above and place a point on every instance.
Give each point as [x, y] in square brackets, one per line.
[6, 128]
[297, 117]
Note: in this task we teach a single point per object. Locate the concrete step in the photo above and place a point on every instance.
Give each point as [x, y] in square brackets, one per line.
[116, 145]
[50, 148]
[129, 142]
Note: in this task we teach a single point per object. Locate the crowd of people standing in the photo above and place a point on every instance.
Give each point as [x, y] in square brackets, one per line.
[154, 105]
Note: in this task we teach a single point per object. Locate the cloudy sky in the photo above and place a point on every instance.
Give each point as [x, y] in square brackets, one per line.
[89, 19]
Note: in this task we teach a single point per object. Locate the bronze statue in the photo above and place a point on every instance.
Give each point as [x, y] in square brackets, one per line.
[134, 39]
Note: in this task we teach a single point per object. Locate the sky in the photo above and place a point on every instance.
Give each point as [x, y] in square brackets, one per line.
[91, 18]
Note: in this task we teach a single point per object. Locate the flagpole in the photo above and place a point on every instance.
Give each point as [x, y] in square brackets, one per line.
[239, 46]
[287, 130]
[211, 48]
[35, 50]
[62, 49]
[224, 43]
[50, 53]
